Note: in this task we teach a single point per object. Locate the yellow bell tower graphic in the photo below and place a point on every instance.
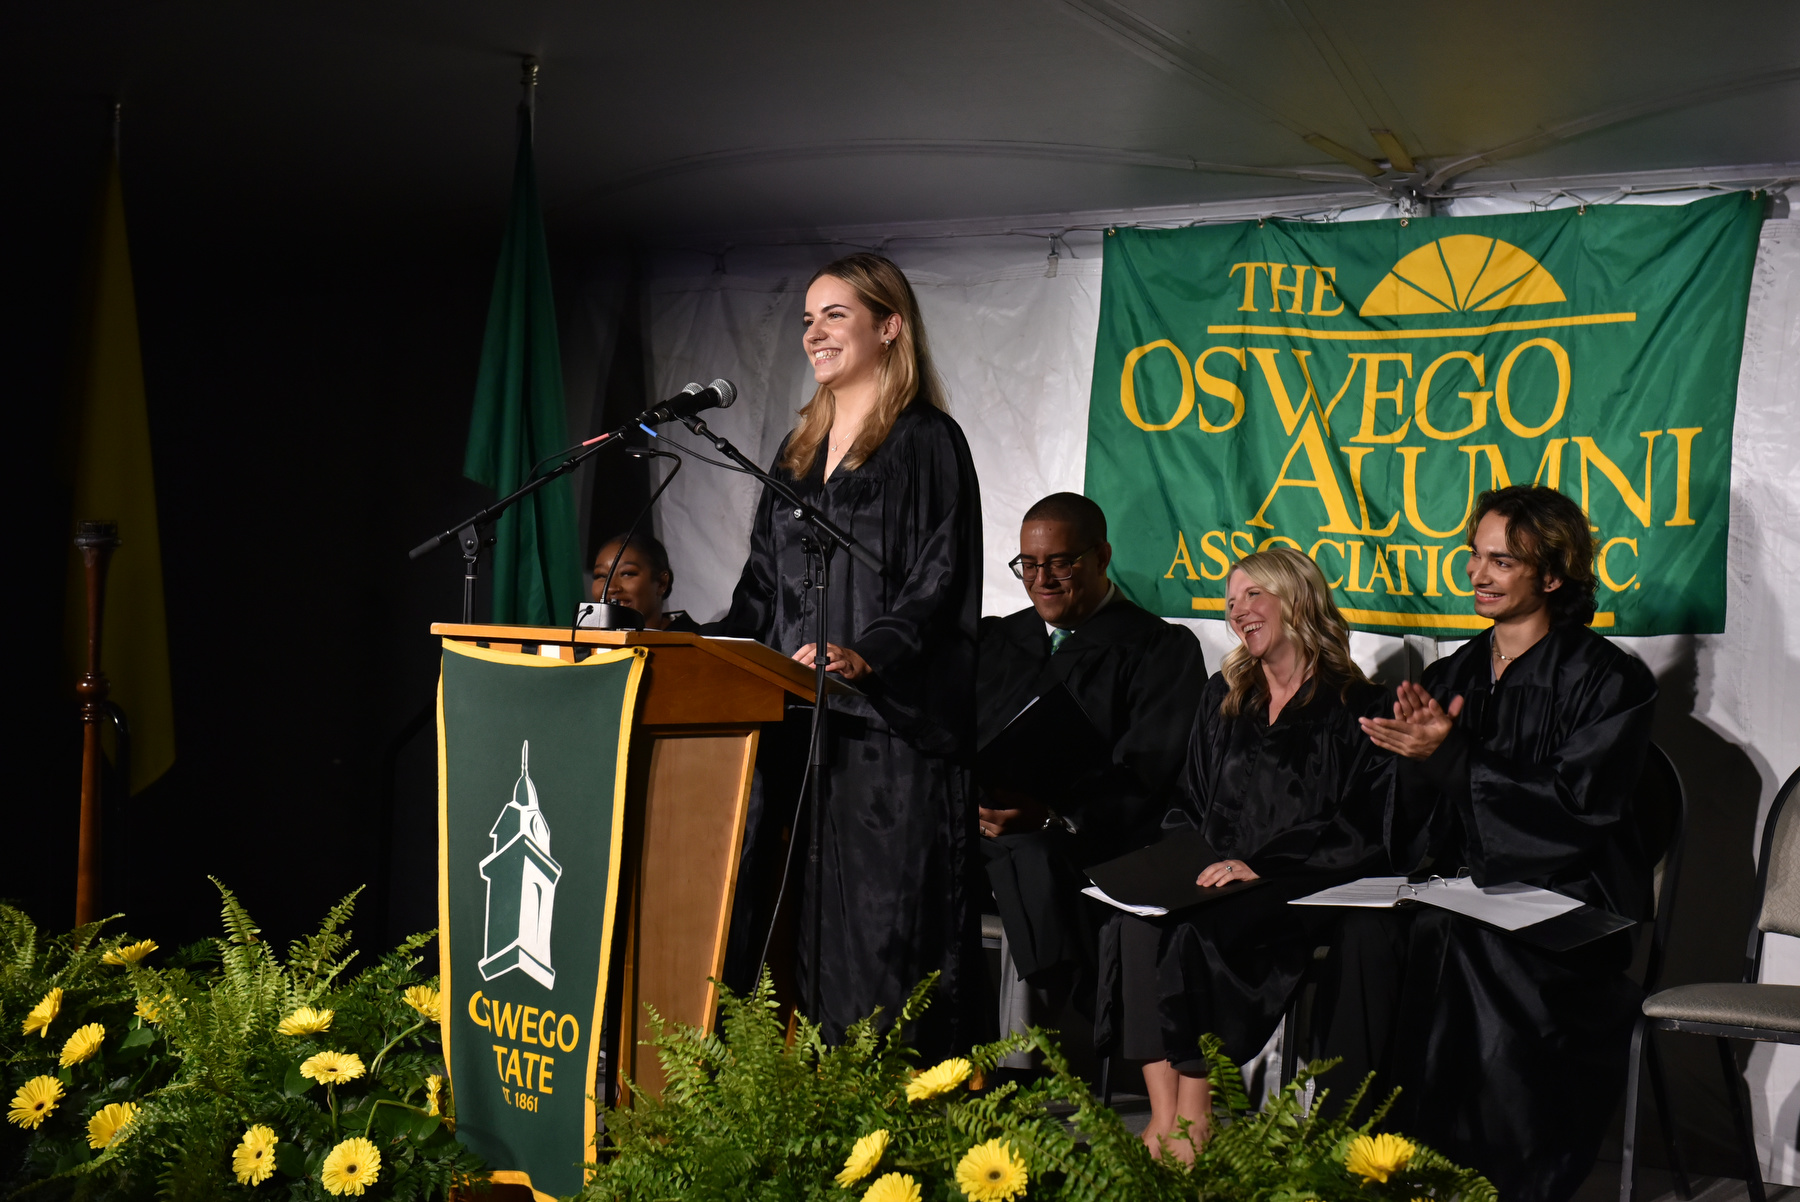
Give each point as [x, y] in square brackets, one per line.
[521, 881]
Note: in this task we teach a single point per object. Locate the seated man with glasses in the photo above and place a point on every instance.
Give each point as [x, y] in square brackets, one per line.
[1138, 679]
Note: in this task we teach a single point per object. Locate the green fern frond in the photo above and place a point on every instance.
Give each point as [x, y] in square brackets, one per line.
[314, 959]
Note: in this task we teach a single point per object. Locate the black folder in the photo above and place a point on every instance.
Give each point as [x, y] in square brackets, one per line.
[1572, 928]
[1048, 748]
[1163, 873]
[1563, 932]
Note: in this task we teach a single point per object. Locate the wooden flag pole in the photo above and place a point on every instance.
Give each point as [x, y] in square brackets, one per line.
[97, 541]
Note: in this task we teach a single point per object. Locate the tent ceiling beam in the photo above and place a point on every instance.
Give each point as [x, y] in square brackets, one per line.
[1314, 205]
[1718, 89]
[1163, 49]
[980, 147]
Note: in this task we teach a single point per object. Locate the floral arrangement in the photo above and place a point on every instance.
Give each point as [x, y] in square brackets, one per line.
[221, 1070]
[751, 1113]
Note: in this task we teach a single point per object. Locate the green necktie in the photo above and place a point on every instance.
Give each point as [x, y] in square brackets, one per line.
[1057, 638]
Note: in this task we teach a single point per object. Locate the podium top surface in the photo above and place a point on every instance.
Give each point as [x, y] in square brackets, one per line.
[748, 655]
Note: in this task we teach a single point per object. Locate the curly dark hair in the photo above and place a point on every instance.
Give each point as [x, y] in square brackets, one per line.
[649, 545]
[1549, 531]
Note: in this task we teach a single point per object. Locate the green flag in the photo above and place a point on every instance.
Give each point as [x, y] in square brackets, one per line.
[518, 419]
[1348, 390]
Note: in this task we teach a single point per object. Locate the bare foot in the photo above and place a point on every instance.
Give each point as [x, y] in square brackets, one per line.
[1187, 1139]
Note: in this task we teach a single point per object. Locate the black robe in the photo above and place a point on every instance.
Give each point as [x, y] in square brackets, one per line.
[1139, 679]
[681, 623]
[1511, 1059]
[894, 898]
[1302, 801]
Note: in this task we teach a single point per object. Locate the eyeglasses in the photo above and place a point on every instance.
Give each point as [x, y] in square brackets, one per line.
[1059, 567]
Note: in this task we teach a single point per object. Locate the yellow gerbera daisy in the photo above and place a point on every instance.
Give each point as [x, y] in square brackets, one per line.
[105, 1126]
[940, 1080]
[894, 1187]
[1378, 1157]
[352, 1167]
[131, 953]
[83, 1044]
[254, 1159]
[991, 1172]
[305, 1021]
[424, 999]
[148, 1010]
[434, 1087]
[863, 1158]
[34, 1101]
[44, 1013]
[332, 1068]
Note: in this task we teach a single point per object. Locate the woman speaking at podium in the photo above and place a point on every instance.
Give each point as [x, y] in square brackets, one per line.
[876, 452]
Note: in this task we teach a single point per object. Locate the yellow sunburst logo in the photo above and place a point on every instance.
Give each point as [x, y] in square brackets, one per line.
[1460, 273]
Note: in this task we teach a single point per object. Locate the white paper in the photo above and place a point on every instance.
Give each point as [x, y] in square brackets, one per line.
[1508, 907]
[1099, 894]
[1372, 892]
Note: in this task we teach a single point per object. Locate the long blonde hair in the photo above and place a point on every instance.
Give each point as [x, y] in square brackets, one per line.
[1316, 629]
[905, 372]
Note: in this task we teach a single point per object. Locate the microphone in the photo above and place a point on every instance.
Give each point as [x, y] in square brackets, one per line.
[689, 401]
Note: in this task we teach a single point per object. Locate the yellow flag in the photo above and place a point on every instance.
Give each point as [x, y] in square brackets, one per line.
[114, 482]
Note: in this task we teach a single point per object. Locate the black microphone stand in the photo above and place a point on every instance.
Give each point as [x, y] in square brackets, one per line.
[608, 614]
[827, 538]
[473, 534]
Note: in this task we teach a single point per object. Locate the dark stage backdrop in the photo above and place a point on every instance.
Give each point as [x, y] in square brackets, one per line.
[309, 381]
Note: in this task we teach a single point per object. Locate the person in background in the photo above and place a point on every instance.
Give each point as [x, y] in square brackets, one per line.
[1138, 679]
[1284, 786]
[642, 579]
[889, 900]
[1521, 753]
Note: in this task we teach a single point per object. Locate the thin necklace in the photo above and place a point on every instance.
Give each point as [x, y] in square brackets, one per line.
[1494, 644]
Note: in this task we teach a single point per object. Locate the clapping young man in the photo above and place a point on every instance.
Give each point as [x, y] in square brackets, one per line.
[1521, 755]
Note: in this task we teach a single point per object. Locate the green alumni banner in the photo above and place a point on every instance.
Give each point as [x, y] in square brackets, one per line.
[529, 749]
[1349, 389]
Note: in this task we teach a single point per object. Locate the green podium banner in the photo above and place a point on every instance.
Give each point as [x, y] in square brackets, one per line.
[1349, 389]
[531, 815]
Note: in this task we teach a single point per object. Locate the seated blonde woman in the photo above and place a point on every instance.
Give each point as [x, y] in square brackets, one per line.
[1284, 785]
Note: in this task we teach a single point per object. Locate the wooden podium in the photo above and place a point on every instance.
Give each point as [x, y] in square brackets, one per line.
[701, 708]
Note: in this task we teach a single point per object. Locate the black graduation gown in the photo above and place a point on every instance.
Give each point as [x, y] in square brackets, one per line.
[1303, 802]
[893, 902]
[1139, 679]
[1511, 1059]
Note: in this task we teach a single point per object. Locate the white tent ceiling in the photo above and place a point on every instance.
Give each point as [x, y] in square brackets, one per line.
[683, 117]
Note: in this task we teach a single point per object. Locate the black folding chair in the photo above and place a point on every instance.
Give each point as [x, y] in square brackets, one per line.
[1732, 1010]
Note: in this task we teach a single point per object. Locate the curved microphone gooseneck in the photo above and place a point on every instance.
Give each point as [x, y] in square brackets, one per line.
[623, 617]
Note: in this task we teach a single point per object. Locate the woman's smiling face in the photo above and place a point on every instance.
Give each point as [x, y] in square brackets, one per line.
[1255, 613]
[843, 339]
[634, 582]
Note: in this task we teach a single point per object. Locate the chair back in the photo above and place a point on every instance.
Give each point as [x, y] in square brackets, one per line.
[1778, 872]
[1661, 807]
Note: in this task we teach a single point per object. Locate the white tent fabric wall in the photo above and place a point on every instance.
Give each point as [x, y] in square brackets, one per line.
[1015, 348]
[1747, 675]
